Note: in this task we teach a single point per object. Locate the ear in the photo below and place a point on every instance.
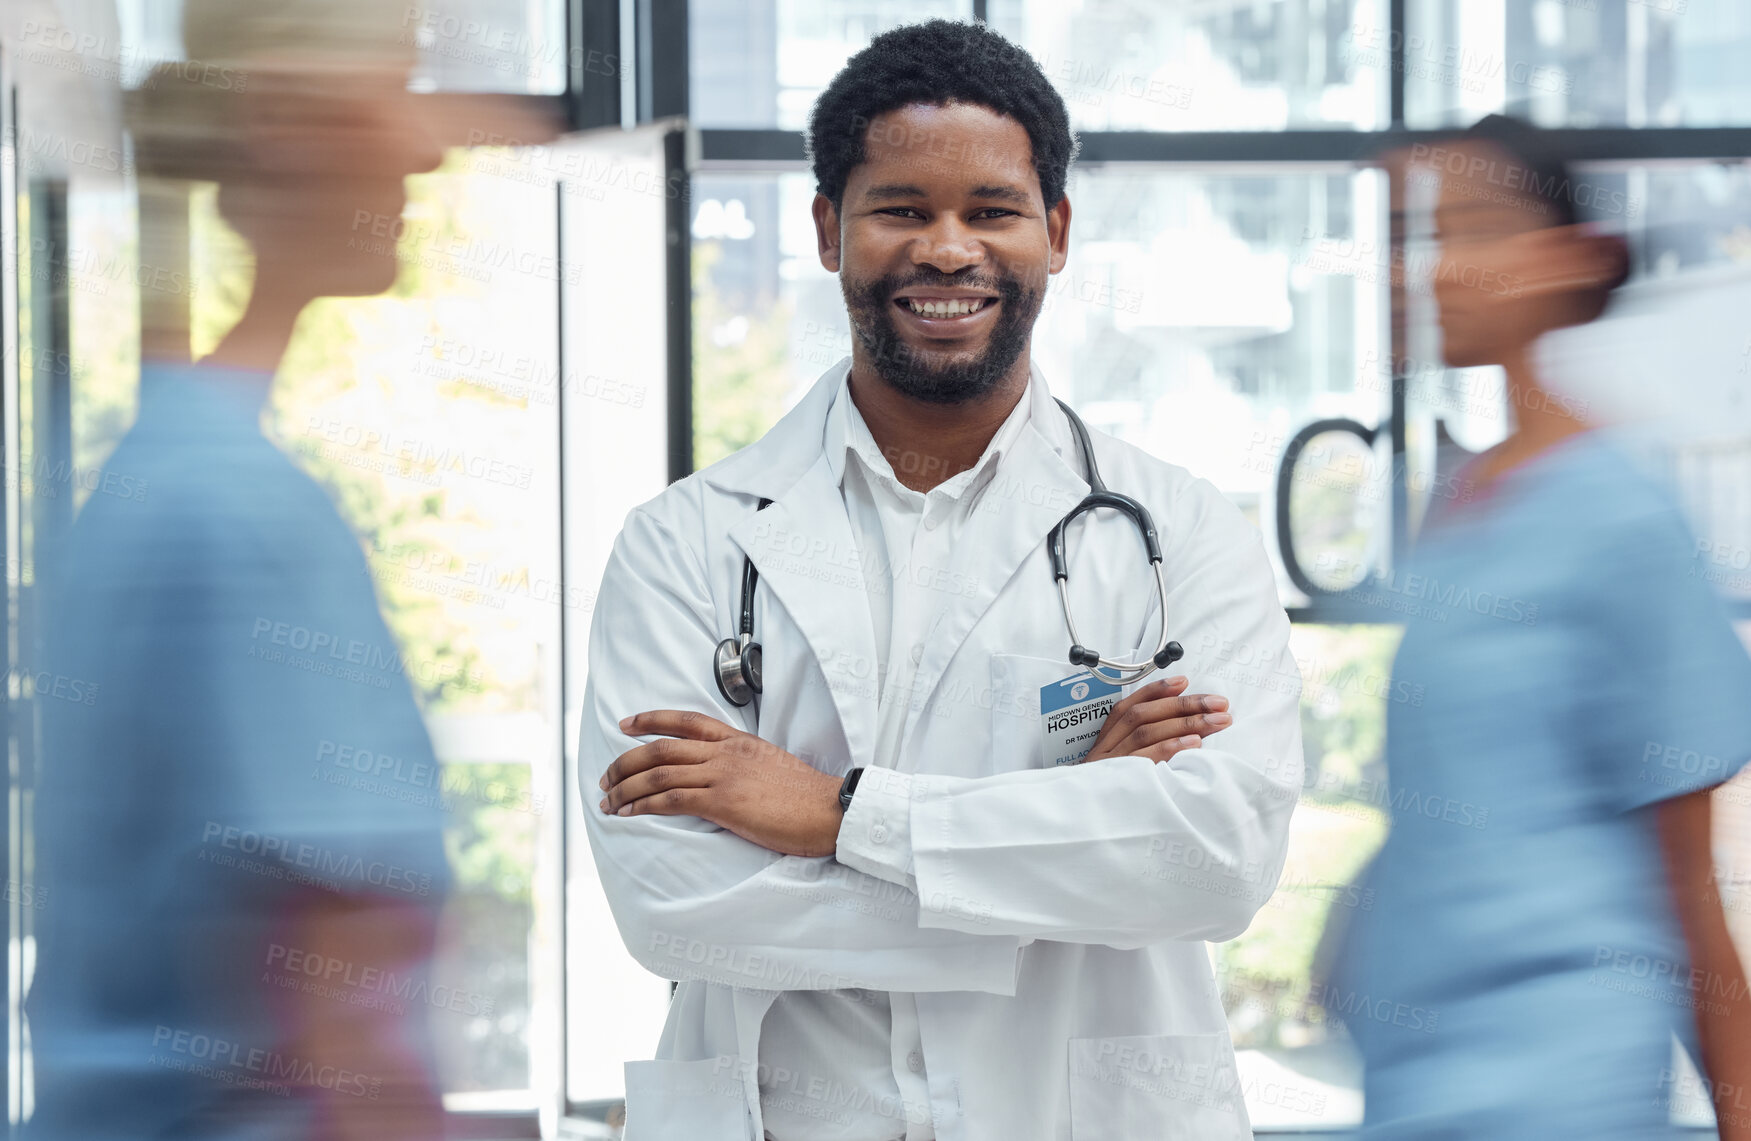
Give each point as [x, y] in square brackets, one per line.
[1573, 258]
[1058, 234]
[826, 233]
[1609, 255]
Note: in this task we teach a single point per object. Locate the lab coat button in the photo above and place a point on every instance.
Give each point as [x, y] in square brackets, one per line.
[915, 1062]
[878, 834]
[917, 652]
[930, 522]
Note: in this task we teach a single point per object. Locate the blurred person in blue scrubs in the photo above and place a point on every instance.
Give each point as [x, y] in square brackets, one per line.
[239, 831]
[1544, 920]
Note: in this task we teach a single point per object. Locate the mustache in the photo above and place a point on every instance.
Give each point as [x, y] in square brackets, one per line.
[944, 281]
[876, 295]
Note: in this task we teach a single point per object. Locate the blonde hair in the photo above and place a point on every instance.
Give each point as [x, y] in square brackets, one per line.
[185, 117]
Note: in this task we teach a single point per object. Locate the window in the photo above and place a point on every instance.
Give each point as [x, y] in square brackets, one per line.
[1125, 66]
[493, 45]
[431, 421]
[1204, 317]
[1191, 302]
[616, 425]
[595, 317]
[1225, 293]
[761, 63]
[430, 415]
[1636, 63]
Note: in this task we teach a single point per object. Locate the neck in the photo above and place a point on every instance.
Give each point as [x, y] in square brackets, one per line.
[258, 340]
[928, 443]
[1540, 422]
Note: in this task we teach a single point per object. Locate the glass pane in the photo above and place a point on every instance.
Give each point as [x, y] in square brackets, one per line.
[1667, 359]
[1119, 64]
[424, 415]
[492, 45]
[1647, 63]
[1208, 317]
[1297, 1065]
[463, 45]
[1232, 65]
[616, 425]
[1678, 317]
[761, 63]
[404, 409]
[103, 321]
[1204, 317]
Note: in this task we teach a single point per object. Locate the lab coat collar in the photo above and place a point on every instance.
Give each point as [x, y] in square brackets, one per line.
[803, 547]
[847, 434]
[772, 464]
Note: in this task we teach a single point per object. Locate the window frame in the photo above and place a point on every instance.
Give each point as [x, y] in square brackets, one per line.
[773, 151]
[651, 85]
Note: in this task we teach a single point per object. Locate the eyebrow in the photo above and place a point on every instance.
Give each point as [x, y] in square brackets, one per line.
[888, 191]
[1001, 193]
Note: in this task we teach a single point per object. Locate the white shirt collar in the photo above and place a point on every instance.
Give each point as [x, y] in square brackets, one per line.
[846, 433]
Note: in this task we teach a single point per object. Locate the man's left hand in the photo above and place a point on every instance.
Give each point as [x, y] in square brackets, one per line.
[703, 767]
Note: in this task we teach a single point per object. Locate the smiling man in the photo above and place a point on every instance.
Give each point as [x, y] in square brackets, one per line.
[919, 870]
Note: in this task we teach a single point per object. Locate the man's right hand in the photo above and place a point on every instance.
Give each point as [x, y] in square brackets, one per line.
[1159, 720]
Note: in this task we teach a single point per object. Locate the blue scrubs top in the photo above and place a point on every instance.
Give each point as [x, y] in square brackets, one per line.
[216, 667]
[1522, 970]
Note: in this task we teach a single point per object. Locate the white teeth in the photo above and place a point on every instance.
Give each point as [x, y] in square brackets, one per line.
[955, 308]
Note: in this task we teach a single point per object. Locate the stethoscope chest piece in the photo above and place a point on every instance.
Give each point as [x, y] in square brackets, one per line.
[737, 669]
[736, 664]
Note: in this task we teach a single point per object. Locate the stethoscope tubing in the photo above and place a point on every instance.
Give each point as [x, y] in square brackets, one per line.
[736, 660]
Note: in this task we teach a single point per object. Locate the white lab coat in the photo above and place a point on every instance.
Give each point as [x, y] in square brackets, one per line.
[1056, 937]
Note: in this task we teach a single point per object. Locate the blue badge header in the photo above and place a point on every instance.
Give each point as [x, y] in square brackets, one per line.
[1074, 690]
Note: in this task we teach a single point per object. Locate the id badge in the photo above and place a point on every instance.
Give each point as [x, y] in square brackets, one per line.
[1072, 712]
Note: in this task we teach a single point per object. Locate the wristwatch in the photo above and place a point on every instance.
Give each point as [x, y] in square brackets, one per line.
[848, 787]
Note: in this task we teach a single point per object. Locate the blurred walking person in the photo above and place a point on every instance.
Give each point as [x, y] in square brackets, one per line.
[242, 931]
[1544, 897]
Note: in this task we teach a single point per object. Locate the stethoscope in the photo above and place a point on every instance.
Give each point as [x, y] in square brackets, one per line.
[736, 663]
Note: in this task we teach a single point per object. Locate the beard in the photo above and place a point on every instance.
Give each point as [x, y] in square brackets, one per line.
[938, 376]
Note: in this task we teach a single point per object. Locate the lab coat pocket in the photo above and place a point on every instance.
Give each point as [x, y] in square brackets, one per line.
[1015, 709]
[1167, 1087]
[686, 1101]
[1018, 731]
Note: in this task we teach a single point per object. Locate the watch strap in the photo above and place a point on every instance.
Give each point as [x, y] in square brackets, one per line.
[849, 786]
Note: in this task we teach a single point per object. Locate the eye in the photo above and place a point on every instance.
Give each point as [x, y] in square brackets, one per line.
[998, 211]
[897, 210]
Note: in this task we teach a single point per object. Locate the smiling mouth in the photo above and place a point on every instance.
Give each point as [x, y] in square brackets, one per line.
[945, 306]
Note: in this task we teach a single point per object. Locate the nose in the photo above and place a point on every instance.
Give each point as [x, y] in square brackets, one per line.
[948, 245]
[404, 134]
[424, 150]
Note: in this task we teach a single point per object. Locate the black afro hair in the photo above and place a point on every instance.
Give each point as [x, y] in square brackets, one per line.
[936, 63]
